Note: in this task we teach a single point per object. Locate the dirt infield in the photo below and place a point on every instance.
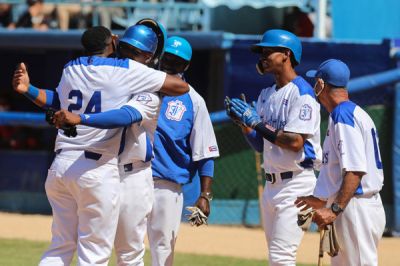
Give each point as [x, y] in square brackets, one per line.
[211, 240]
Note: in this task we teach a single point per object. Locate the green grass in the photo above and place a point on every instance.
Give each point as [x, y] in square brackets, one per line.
[24, 252]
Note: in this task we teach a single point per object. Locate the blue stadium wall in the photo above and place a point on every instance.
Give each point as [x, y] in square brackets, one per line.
[222, 65]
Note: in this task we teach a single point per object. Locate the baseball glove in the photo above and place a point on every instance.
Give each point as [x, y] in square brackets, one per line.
[69, 131]
[197, 217]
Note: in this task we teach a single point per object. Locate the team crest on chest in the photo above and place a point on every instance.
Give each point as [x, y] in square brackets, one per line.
[305, 112]
[175, 110]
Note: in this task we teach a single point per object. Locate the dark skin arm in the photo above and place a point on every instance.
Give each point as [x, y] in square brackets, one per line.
[174, 86]
[285, 140]
[351, 181]
[202, 203]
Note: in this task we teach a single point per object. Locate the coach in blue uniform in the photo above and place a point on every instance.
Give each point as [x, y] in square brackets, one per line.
[184, 143]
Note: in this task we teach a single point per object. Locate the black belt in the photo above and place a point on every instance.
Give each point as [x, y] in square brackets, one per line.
[272, 177]
[88, 154]
[135, 165]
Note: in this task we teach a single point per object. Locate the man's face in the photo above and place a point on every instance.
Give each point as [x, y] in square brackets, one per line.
[172, 64]
[272, 58]
[128, 51]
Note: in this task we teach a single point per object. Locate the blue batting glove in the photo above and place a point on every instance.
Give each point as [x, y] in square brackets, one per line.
[228, 110]
[245, 112]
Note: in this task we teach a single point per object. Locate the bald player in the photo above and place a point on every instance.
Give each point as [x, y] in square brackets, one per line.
[84, 175]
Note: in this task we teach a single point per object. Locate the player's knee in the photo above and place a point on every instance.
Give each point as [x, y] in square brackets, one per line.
[282, 255]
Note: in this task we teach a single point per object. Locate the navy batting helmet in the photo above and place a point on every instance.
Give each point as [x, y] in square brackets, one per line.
[280, 38]
[141, 37]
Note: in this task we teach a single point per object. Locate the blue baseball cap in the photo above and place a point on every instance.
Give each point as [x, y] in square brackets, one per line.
[332, 71]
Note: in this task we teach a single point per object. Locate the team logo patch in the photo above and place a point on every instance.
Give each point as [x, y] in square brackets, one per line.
[143, 98]
[176, 44]
[212, 148]
[175, 110]
[305, 112]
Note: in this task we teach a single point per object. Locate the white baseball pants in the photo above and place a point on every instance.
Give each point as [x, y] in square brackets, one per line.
[84, 196]
[359, 229]
[280, 216]
[164, 220]
[136, 202]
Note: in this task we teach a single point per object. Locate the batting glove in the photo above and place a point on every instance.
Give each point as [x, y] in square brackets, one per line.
[228, 106]
[245, 112]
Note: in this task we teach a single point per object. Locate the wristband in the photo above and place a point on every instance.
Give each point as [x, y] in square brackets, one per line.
[268, 132]
[32, 93]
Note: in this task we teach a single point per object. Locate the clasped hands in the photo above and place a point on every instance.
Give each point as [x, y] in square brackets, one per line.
[322, 215]
[241, 112]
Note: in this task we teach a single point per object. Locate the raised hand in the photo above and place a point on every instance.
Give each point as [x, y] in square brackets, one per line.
[21, 79]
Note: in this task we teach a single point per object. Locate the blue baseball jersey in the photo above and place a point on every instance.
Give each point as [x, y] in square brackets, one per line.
[184, 135]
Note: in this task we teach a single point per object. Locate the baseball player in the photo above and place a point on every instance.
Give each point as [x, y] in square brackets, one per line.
[83, 181]
[347, 189]
[284, 125]
[184, 143]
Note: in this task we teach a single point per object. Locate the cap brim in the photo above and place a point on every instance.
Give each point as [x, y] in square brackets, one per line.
[257, 48]
[311, 73]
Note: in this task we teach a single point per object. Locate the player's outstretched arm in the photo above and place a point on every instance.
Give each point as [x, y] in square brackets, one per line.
[116, 118]
[41, 97]
[174, 86]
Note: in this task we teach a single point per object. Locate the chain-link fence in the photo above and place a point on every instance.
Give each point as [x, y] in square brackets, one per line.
[235, 186]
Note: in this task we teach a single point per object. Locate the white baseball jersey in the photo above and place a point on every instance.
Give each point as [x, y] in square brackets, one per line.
[140, 136]
[292, 108]
[97, 84]
[184, 135]
[351, 144]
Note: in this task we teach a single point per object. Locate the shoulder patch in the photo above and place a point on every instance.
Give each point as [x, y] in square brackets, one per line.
[344, 113]
[143, 98]
[305, 112]
[303, 86]
[175, 110]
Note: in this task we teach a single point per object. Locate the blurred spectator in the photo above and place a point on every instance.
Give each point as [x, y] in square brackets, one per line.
[15, 137]
[5, 15]
[106, 14]
[34, 16]
[298, 22]
[70, 10]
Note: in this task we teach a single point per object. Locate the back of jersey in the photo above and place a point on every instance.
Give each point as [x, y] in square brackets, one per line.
[96, 84]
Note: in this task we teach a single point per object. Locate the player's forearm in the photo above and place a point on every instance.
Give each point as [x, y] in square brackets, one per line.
[174, 86]
[289, 141]
[123, 117]
[206, 172]
[43, 98]
[254, 139]
[350, 183]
